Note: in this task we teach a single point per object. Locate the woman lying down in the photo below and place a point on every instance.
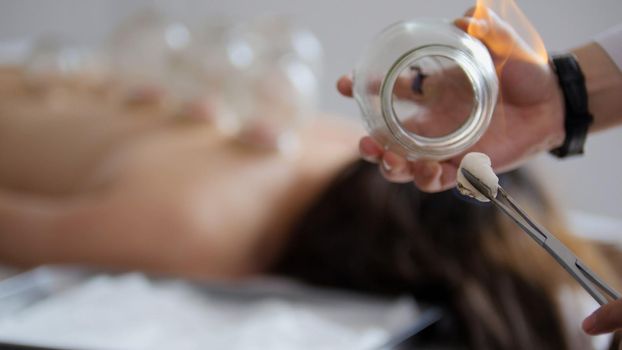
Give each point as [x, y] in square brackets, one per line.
[88, 176]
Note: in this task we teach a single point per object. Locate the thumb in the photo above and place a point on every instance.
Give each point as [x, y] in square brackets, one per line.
[501, 39]
[606, 319]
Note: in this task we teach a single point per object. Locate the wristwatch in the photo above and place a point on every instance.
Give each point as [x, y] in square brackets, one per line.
[577, 117]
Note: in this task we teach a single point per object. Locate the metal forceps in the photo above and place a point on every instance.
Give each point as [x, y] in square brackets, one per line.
[564, 256]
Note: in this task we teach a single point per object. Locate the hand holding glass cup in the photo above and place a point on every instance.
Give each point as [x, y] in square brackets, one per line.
[429, 93]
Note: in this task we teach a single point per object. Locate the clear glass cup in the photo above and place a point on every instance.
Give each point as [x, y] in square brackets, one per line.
[279, 64]
[148, 49]
[426, 89]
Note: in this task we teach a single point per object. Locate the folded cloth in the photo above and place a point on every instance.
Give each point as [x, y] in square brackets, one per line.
[135, 312]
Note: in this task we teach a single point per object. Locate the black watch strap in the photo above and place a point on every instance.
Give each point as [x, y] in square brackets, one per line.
[577, 116]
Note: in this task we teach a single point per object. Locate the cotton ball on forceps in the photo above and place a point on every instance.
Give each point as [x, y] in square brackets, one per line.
[480, 166]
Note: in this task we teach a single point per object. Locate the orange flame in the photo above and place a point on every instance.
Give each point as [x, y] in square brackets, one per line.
[508, 34]
[506, 31]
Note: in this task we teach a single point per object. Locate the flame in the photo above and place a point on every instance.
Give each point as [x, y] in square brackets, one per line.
[509, 36]
[506, 31]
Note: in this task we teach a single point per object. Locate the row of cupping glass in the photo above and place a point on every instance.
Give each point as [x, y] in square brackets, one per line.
[266, 68]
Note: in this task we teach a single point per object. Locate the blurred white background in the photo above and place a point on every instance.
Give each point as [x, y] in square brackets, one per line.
[590, 183]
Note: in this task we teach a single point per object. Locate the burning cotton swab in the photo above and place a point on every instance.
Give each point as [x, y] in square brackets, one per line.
[480, 166]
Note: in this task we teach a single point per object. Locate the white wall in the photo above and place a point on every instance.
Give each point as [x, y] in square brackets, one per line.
[344, 26]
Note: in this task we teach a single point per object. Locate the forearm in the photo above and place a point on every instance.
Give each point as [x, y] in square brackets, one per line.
[604, 86]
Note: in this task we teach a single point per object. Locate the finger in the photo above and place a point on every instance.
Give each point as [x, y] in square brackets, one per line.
[497, 35]
[344, 85]
[433, 176]
[370, 149]
[479, 28]
[395, 168]
[462, 23]
[448, 177]
[500, 46]
[470, 11]
[606, 319]
[427, 175]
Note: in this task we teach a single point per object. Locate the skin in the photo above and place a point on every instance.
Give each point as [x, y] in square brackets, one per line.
[112, 182]
[606, 319]
[528, 120]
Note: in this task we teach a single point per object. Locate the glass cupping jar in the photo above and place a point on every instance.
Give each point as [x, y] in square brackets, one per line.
[426, 89]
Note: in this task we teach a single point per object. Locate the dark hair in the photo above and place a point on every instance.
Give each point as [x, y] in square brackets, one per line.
[367, 234]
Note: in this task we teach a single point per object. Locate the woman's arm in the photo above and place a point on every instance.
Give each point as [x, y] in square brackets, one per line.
[603, 80]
